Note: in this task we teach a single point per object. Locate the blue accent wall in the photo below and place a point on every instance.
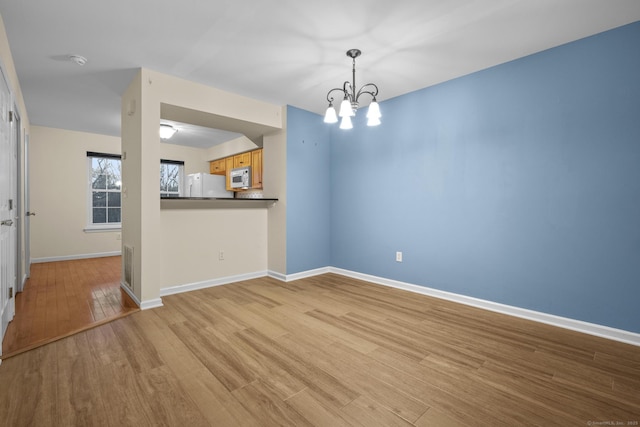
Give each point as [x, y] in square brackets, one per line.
[519, 184]
[308, 191]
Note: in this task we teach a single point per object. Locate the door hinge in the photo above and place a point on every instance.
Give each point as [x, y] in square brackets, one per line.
[10, 116]
[10, 293]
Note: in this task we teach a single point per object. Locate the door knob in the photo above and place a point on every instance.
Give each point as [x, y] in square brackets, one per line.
[30, 214]
[6, 222]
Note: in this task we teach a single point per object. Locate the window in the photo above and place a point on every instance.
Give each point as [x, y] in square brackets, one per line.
[171, 177]
[105, 180]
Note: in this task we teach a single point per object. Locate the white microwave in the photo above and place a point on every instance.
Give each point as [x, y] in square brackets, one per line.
[240, 177]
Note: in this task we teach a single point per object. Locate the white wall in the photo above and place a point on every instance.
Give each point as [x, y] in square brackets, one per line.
[58, 172]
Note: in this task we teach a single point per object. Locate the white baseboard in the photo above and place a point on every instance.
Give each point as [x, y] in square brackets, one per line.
[144, 305]
[276, 275]
[210, 283]
[308, 273]
[72, 257]
[151, 303]
[549, 319]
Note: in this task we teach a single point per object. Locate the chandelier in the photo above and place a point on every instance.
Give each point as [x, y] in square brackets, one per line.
[349, 104]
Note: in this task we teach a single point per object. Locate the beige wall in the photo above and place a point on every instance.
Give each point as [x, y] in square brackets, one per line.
[230, 148]
[193, 238]
[195, 159]
[275, 186]
[59, 183]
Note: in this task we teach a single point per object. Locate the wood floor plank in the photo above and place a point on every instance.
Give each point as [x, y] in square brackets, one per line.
[317, 410]
[366, 412]
[258, 399]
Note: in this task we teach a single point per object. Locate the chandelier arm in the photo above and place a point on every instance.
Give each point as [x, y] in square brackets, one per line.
[349, 90]
[331, 91]
[362, 90]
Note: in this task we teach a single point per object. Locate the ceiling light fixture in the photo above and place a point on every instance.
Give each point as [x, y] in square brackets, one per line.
[167, 131]
[349, 104]
[78, 59]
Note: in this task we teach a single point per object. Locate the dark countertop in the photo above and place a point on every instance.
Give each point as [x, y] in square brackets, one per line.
[214, 202]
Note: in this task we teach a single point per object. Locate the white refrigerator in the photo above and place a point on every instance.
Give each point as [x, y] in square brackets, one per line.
[207, 185]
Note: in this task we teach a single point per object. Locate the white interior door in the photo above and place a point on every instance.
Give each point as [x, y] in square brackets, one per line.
[8, 234]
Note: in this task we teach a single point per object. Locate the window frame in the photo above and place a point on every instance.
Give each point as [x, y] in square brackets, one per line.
[107, 226]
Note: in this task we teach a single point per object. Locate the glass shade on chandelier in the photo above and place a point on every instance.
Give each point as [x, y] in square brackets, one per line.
[349, 104]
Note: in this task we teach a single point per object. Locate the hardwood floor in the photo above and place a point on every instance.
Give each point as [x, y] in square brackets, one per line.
[322, 351]
[64, 297]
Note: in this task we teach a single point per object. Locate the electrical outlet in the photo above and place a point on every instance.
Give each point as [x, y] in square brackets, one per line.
[221, 255]
[398, 256]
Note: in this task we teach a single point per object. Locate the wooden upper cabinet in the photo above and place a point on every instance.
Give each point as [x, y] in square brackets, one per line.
[256, 169]
[228, 166]
[217, 167]
[242, 160]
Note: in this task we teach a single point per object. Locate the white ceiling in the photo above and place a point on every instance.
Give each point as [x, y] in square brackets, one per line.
[279, 51]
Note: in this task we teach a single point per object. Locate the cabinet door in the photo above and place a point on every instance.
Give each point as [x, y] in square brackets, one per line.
[217, 167]
[256, 169]
[242, 160]
[228, 166]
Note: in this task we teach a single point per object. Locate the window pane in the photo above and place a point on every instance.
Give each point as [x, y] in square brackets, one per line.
[98, 181]
[99, 215]
[163, 177]
[113, 183]
[173, 186]
[99, 199]
[114, 214]
[113, 199]
[170, 178]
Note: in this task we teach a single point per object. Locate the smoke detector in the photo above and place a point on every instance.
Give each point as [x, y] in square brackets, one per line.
[78, 59]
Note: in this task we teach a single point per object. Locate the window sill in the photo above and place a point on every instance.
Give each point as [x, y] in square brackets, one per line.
[102, 229]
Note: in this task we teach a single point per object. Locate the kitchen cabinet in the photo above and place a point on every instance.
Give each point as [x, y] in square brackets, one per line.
[218, 167]
[228, 166]
[256, 169]
[242, 160]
